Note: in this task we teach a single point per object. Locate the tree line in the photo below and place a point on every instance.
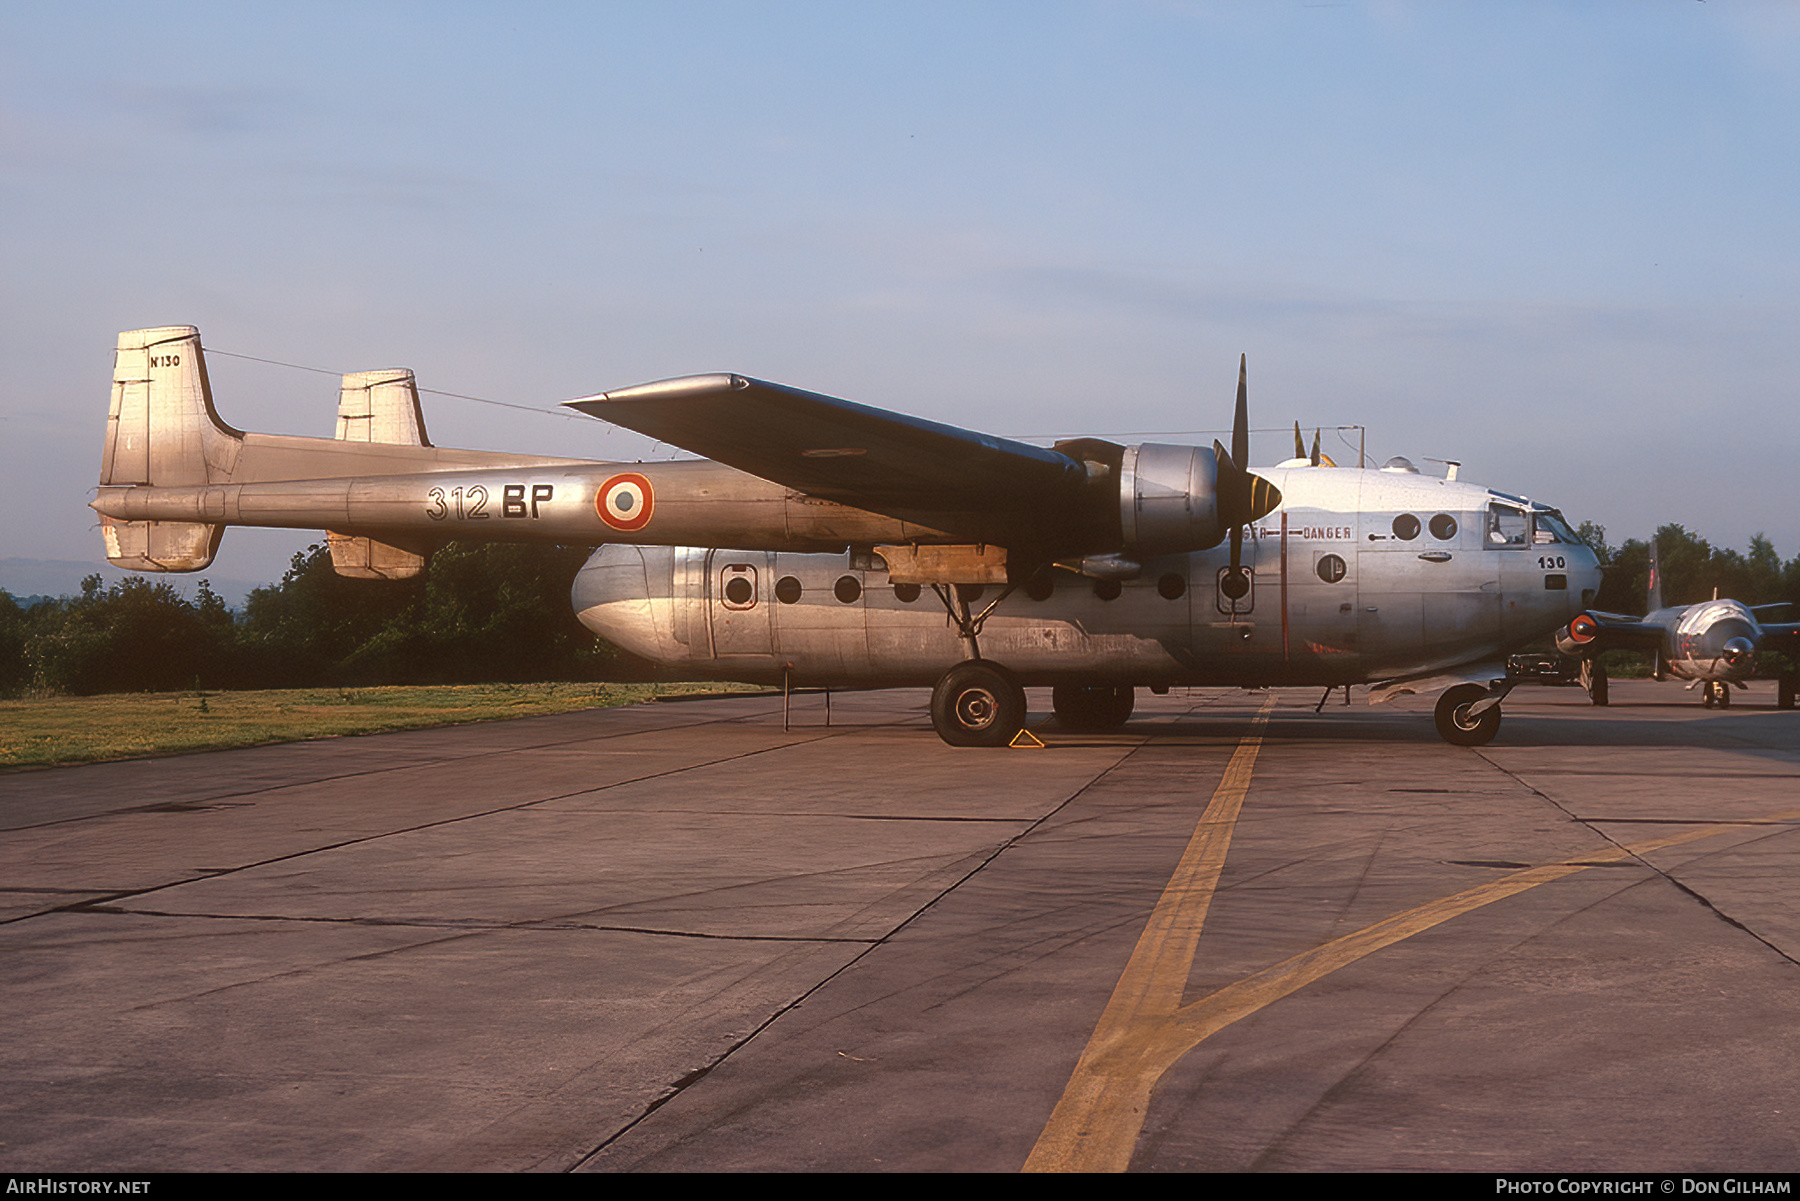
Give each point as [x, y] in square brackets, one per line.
[482, 613]
[1693, 570]
[494, 612]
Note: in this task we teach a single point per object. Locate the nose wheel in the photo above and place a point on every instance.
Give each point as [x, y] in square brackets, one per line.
[978, 704]
[1458, 725]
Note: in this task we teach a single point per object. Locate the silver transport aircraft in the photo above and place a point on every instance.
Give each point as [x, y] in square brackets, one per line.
[869, 549]
[1713, 644]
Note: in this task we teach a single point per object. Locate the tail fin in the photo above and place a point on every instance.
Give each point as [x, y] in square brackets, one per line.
[1654, 599]
[162, 430]
[378, 406]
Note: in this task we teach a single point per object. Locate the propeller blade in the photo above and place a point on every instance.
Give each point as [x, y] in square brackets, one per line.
[1300, 446]
[1315, 449]
[1240, 424]
[1243, 497]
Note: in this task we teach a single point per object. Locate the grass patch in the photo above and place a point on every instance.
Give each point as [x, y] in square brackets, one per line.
[88, 729]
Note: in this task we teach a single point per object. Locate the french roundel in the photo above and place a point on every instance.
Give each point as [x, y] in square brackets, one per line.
[625, 502]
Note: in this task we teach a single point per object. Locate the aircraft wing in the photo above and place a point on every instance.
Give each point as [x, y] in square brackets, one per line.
[988, 489]
[1593, 632]
[1783, 636]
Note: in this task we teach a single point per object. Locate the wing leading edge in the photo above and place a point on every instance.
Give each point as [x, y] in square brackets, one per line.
[988, 489]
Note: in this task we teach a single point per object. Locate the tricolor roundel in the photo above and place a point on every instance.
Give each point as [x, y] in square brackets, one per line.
[625, 502]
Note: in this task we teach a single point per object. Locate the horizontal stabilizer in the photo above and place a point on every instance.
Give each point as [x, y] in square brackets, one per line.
[362, 558]
[160, 545]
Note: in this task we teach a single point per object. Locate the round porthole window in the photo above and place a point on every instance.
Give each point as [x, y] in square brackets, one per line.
[906, 593]
[739, 591]
[1406, 527]
[1443, 527]
[848, 589]
[1171, 586]
[787, 590]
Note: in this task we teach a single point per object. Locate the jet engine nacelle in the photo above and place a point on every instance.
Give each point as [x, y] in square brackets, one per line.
[1169, 499]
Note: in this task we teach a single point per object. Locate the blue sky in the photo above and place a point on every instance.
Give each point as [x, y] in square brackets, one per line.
[1558, 242]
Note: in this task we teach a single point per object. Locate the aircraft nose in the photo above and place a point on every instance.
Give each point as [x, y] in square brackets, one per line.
[1739, 651]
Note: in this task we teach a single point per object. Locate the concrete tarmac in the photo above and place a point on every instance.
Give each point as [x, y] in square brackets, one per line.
[1235, 935]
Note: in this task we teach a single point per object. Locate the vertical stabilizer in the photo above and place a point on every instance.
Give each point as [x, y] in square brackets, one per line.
[162, 431]
[1654, 599]
[381, 406]
[378, 406]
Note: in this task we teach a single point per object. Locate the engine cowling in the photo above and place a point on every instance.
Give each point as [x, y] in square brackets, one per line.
[1169, 499]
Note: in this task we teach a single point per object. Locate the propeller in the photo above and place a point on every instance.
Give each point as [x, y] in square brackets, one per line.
[1243, 497]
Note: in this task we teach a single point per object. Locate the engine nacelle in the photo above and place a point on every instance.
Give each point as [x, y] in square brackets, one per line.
[1169, 499]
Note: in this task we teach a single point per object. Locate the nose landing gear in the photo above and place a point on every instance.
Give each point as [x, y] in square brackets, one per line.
[1458, 722]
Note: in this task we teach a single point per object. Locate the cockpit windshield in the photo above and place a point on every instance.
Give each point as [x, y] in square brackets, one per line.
[1548, 526]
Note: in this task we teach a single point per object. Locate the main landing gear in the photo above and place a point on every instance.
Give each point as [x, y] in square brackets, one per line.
[1593, 680]
[978, 704]
[1716, 694]
[975, 703]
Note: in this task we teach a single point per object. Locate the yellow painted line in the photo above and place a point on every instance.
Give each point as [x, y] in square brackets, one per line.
[1145, 1030]
[1095, 1125]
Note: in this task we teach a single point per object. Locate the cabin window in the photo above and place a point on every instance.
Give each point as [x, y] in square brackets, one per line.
[906, 594]
[787, 590]
[1443, 527]
[848, 589]
[1171, 586]
[1406, 527]
[1108, 589]
[738, 586]
[1042, 586]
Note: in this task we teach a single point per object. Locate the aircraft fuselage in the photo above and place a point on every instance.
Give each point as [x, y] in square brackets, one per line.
[1360, 575]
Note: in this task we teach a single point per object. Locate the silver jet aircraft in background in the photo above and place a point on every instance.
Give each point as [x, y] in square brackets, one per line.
[870, 549]
[1713, 644]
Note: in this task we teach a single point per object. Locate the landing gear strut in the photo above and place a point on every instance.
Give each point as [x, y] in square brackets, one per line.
[1715, 693]
[975, 703]
[1593, 678]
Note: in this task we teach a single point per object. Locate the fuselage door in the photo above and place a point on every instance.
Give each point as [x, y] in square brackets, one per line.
[737, 604]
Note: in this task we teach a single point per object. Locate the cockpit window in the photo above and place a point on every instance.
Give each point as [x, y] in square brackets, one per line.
[1507, 526]
[1549, 526]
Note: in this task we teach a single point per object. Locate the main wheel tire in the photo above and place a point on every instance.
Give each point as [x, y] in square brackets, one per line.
[1724, 695]
[977, 704]
[1092, 708]
[1593, 678]
[1454, 723]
